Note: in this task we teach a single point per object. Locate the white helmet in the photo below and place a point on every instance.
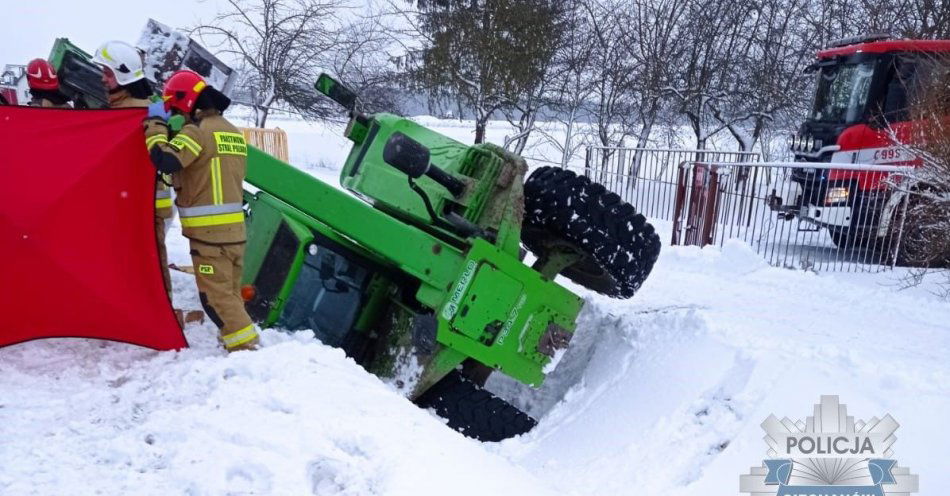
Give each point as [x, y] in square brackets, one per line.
[124, 60]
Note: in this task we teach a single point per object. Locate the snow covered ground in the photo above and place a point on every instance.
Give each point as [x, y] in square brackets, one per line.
[661, 394]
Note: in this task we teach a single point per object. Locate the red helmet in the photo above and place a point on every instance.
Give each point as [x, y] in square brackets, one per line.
[182, 89]
[40, 75]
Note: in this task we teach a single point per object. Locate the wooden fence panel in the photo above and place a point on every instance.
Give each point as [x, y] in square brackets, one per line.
[271, 141]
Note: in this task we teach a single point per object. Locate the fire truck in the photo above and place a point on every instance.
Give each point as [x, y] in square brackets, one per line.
[860, 115]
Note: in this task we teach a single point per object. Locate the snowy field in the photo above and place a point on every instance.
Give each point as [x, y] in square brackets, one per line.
[663, 394]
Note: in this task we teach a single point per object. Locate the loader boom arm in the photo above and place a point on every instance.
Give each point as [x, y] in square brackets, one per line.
[520, 316]
[408, 248]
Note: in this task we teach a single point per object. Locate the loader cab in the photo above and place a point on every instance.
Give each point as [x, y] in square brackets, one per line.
[327, 295]
[299, 278]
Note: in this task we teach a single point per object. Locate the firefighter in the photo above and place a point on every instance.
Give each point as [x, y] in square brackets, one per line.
[209, 158]
[123, 76]
[44, 85]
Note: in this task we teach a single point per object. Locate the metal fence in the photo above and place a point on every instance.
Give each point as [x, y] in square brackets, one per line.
[646, 177]
[818, 216]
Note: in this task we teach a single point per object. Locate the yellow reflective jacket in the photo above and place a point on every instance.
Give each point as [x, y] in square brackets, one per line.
[210, 186]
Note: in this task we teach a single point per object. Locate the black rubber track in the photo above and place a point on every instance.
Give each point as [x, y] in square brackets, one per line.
[474, 411]
[621, 247]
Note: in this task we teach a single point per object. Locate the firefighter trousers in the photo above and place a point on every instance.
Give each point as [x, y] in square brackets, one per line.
[163, 255]
[218, 274]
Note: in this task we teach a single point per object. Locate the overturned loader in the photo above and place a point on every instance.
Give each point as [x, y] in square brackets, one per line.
[417, 274]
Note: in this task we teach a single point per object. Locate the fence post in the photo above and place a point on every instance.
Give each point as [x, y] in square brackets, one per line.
[679, 203]
[711, 203]
[696, 204]
[703, 205]
[620, 178]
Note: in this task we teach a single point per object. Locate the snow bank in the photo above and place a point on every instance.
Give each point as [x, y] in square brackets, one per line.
[665, 393]
[295, 417]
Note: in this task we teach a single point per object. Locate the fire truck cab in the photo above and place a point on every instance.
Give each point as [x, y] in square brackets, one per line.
[865, 88]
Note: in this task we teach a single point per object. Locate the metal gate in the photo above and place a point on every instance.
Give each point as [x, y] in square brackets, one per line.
[816, 216]
[647, 177]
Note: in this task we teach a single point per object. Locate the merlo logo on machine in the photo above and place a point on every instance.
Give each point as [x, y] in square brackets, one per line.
[829, 454]
[450, 308]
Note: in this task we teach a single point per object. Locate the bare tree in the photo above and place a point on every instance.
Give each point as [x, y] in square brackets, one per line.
[613, 73]
[711, 80]
[362, 60]
[279, 45]
[771, 83]
[571, 84]
[540, 91]
[653, 29]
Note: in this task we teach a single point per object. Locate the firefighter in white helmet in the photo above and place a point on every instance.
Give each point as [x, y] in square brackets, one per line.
[123, 75]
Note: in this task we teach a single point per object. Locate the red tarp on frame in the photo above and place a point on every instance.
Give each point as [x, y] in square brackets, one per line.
[78, 256]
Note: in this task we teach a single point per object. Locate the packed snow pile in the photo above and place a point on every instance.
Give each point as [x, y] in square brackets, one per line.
[296, 417]
[660, 394]
[666, 393]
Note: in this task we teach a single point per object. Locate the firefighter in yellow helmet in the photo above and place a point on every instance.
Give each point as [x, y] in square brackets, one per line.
[209, 158]
[124, 78]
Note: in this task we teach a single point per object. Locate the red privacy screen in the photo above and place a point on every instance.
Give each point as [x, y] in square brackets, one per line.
[77, 244]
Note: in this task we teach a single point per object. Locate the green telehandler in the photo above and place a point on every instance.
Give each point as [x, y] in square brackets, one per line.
[418, 274]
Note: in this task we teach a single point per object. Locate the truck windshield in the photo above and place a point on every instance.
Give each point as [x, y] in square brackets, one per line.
[843, 92]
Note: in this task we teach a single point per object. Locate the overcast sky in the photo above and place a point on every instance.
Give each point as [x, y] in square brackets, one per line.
[29, 27]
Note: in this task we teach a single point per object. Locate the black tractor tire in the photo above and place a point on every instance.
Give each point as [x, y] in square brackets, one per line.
[473, 411]
[619, 245]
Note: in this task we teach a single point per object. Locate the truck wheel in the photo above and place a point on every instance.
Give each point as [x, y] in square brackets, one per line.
[839, 237]
[473, 411]
[618, 246]
[851, 239]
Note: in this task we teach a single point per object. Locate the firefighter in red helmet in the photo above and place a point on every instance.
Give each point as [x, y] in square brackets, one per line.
[209, 159]
[44, 85]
